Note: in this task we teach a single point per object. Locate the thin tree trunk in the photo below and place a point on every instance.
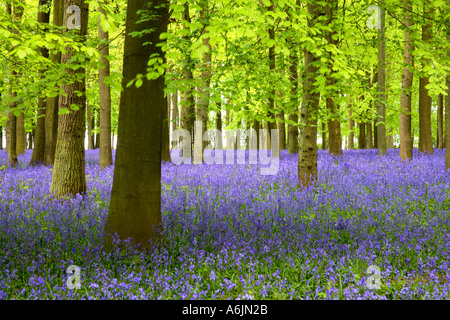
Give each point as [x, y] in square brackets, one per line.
[425, 136]
[204, 91]
[219, 126]
[282, 131]
[293, 115]
[228, 121]
[447, 109]
[406, 142]
[105, 154]
[20, 134]
[369, 138]
[188, 96]
[381, 87]
[51, 112]
[90, 123]
[362, 135]
[307, 158]
[334, 126]
[39, 141]
[1, 138]
[135, 207]
[256, 126]
[440, 122]
[271, 125]
[324, 136]
[351, 135]
[69, 170]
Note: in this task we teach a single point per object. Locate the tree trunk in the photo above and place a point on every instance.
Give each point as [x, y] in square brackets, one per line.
[362, 135]
[1, 138]
[228, 121]
[203, 97]
[381, 87]
[440, 122]
[425, 136]
[282, 131]
[90, 123]
[105, 157]
[390, 142]
[135, 208]
[51, 111]
[406, 143]
[219, 126]
[256, 126]
[334, 126]
[351, 135]
[324, 136]
[447, 109]
[375, 134]
[39, 141]
[307, 158]
[20, 134]
[165, 142]
[12, 143]
[188, 96]
[271, 123]
[69, 170]
[293, 114]
[369, 138]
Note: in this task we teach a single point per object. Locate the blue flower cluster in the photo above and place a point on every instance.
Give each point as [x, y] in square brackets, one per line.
[236, 234]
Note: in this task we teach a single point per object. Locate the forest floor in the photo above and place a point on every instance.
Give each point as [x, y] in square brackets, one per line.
[233, 233]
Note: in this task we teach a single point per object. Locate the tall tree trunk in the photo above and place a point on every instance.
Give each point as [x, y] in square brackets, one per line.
[362, 135]
[69, 170]
[135, 208]
[440, 122]
[447, 108]
[406, 143]
[390, 141]
[51, 111]
[90, 123]
[375, 134]
[369, 138]
[12, 143]
[334, 126]
[351, 134]
[256, 126]
[105, 157]
[7, 136]
[21, 134]
[188, 95]
[324, 136]
[175, 113]
[425, 136]
[39, 141]
[219, 126]
[381, 87]
[282, 131]
[228, 121]
[271, 125]
[203, 97]
[307, 158]
[165, 142]
[293, 114]
[1, 138]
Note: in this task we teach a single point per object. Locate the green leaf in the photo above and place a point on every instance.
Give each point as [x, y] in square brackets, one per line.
[139, 83]
[63, 111]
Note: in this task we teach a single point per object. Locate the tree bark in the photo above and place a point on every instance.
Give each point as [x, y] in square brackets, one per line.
[219, 125]
[351, 134]
[187, 103]
[369, 138]
[51, 111]
[447, 109]
[69, 169]
[1, 138]
[90, 124]
[324, 136]
[381, 84]
[307, 159]
[293, 114]
[362, 135]
[406, 142]
[425, 136]
[440, 122]
[105, 157]
[39, 141]
[271, 121]
[135, 208]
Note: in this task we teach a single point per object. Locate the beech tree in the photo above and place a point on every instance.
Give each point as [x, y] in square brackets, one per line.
[69, 170]
[135, 207]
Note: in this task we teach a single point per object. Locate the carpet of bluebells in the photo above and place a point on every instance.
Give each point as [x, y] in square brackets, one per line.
[235, 234]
